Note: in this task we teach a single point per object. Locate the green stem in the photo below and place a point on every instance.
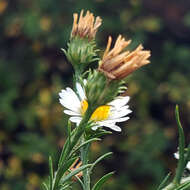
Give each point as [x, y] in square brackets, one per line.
[75, 137]
[84, 158]
[70, 144]
[181, 162]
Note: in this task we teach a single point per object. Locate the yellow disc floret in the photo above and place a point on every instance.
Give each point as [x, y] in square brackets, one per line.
[100, 114]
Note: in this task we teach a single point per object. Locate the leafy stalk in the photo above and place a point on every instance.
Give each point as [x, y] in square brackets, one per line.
[181, 162]
[84, 158]
[68, 147]
[57, 179]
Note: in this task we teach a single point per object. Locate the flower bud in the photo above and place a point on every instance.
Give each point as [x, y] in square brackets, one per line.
[81, 49]
[80, 53]
[100, 90]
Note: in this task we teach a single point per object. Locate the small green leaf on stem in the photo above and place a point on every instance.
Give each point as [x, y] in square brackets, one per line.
[69, 132]
[163, 184]
[84, 143]
[99, 159]
[51, 172]
[61, 171]
[44, 185]
[74, 172]
[102, 180]
[181, 165]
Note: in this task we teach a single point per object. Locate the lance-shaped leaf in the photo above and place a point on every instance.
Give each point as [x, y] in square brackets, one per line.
[61, 171]
[102, 180]
[44, 185]
[51, 172]
[99, 159]
[63, 187]
[181, 161]
[163, 184]
[102, 133]
[67, 144]
[74, 172]
[85, 143]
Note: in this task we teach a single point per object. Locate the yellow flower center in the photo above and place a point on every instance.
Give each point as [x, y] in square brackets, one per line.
[101, 113]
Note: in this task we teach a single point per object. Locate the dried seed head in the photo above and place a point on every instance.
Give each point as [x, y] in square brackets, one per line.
[116, 64]
[86, 26]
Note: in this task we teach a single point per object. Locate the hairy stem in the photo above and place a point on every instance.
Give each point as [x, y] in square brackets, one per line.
[68, 147]
[84, 158]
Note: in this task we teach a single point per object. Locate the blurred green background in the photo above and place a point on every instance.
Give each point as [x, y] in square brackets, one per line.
[33, 70]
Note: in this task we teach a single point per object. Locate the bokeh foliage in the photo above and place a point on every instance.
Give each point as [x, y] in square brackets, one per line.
[33, 70]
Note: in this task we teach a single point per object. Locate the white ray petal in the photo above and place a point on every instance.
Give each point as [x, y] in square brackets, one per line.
[67, 103]
[73, 94]
[114, 127]
[69, 94]
[103, 123]
[176, 155]
[80, 91]
[68, 112]
[75, 119]
[95, 127]
[188, 165]
[122, 119]
[119, 101]
[119, 113]
[70, 100]
[85, 82]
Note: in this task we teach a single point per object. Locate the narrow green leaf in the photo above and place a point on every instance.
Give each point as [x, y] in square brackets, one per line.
[61, 171]
[74, 172]
[64, 150]
[63, 153]
[181, 161]
[69, 132]
[163, 184]
[44, 185]
[101, 133]
[184, 186]
[99, 159]
[79, 180]
[51, 172]
[65, 187]
[102, 180]
[84, 143]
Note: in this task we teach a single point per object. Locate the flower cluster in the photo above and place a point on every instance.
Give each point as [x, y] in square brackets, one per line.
[102, 89]
[105, 115]
[97, 101]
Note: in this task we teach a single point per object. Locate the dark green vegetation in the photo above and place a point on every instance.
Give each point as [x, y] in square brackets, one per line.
[33, 70]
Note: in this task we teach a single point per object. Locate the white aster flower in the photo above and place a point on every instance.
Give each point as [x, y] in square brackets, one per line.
[176, 155]
[107, 115]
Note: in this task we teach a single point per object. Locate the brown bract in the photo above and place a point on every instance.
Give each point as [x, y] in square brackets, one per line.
[116, 64]
[86, 26]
